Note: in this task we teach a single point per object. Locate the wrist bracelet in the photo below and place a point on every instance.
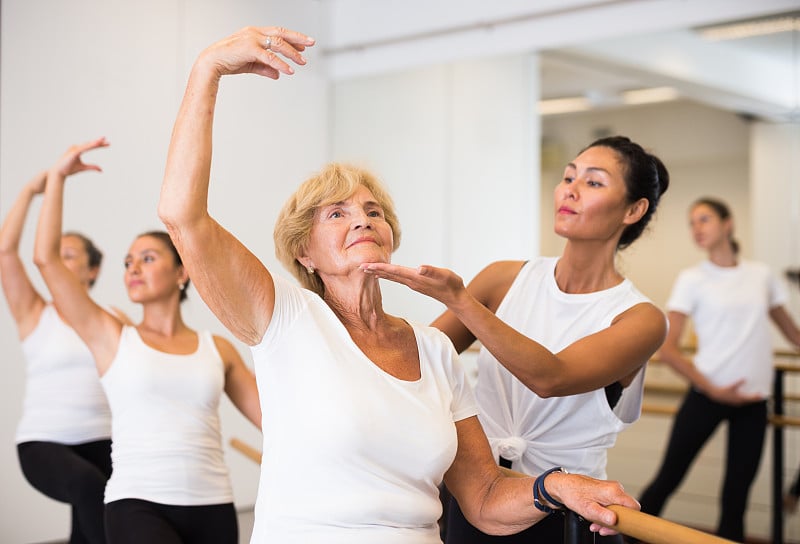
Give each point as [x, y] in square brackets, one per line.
[540, 492]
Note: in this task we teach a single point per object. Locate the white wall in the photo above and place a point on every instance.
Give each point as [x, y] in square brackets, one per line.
[72, 71]
[456, 144]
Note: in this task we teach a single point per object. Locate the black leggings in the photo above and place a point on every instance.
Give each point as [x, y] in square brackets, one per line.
[550, 530]
[134, 521]
[694, 423]
[74, 474]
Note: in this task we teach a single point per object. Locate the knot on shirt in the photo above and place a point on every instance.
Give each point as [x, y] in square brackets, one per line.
[512, 448]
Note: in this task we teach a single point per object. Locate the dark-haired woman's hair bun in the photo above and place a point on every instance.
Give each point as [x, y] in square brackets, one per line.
[645, 177]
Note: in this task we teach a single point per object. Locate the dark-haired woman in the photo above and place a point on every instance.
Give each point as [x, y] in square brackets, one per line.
[564, 339]
[64, 435]
[163, 381]
[729, 300]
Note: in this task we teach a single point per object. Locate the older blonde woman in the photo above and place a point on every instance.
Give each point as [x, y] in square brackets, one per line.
[373, 410]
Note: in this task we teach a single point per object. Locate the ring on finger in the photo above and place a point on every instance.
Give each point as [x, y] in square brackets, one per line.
[268, 43]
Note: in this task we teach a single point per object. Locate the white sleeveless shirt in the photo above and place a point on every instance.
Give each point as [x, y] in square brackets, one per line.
[575, 431]
[166, 441]
[63, 401]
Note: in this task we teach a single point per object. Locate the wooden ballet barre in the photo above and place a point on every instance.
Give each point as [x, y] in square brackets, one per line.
[654, 530]
[247, 450]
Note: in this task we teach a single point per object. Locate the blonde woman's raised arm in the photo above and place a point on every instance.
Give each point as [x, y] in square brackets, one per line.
[231, 280]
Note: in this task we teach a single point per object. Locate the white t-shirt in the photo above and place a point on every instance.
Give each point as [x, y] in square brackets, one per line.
[166, 442]
[729, 307]
[575, 431]
[64, 401]
[351, 454]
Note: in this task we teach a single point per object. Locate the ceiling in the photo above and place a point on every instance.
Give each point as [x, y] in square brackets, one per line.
[593, 48]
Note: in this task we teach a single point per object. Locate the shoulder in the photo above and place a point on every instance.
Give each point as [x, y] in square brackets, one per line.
[492, 283]
[429, 335]
[695, 273]
[645, 312]
[227, 352]
[757, 267]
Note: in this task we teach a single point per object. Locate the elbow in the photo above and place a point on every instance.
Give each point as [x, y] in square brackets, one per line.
[45, 257]
[547, 388]
[8, 250]
[41, 259]
[494, 527]
[168, 215]
[177, 218]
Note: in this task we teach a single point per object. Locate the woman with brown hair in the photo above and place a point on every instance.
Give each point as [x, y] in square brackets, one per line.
[163, 381]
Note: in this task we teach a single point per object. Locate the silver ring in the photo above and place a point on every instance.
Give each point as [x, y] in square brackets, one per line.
[268, 42]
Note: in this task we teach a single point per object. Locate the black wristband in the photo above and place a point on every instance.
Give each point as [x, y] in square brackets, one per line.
[539, 492]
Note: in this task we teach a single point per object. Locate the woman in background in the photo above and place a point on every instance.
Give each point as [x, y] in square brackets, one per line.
[564, 339]
[64, 435]
[729, 301]
[163, 381]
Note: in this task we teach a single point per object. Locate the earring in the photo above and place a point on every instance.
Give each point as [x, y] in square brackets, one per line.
[181, 286]
[310, 270]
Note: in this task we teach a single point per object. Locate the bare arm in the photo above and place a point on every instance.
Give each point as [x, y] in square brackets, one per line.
[672, 354]
[616, 352]
[98, 328]
[500, 503]
[24, 301]
[240, 383]
[231, 280]
[785, 324]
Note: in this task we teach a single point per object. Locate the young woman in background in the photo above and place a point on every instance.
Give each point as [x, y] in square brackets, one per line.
[730, 301]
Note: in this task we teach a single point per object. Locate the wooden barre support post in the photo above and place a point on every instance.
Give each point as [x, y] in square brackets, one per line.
[654, 530]
[247, 450]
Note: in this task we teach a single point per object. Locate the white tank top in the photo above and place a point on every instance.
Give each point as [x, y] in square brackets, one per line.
[575, 431]
[167, 445]
[63, 401]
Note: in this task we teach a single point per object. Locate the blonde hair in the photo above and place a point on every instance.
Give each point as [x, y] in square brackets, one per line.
[334, 183]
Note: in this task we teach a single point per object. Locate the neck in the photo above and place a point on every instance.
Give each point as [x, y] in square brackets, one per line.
[586, 268]
[163, 318]
[723, 255]
[357, 304]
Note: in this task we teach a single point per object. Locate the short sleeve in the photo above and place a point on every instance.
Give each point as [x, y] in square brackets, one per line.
[682, 297]
[778, 294]
[463, 404]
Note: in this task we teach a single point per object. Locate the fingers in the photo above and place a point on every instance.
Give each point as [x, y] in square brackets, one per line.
[288, 42]
[71, 163]
[278, 41]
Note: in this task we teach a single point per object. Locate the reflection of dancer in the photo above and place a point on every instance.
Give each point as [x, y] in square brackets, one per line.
[64, 436]
[375, 411]
[792, 496]
[163, 381]
[564, 339]
[728, 300]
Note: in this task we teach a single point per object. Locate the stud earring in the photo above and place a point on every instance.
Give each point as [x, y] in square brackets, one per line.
[181, 286]
[310, 269]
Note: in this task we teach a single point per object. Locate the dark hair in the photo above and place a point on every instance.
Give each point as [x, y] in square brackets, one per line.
[722, 211]
[94, 254]
[645, 177]
[167, 241]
